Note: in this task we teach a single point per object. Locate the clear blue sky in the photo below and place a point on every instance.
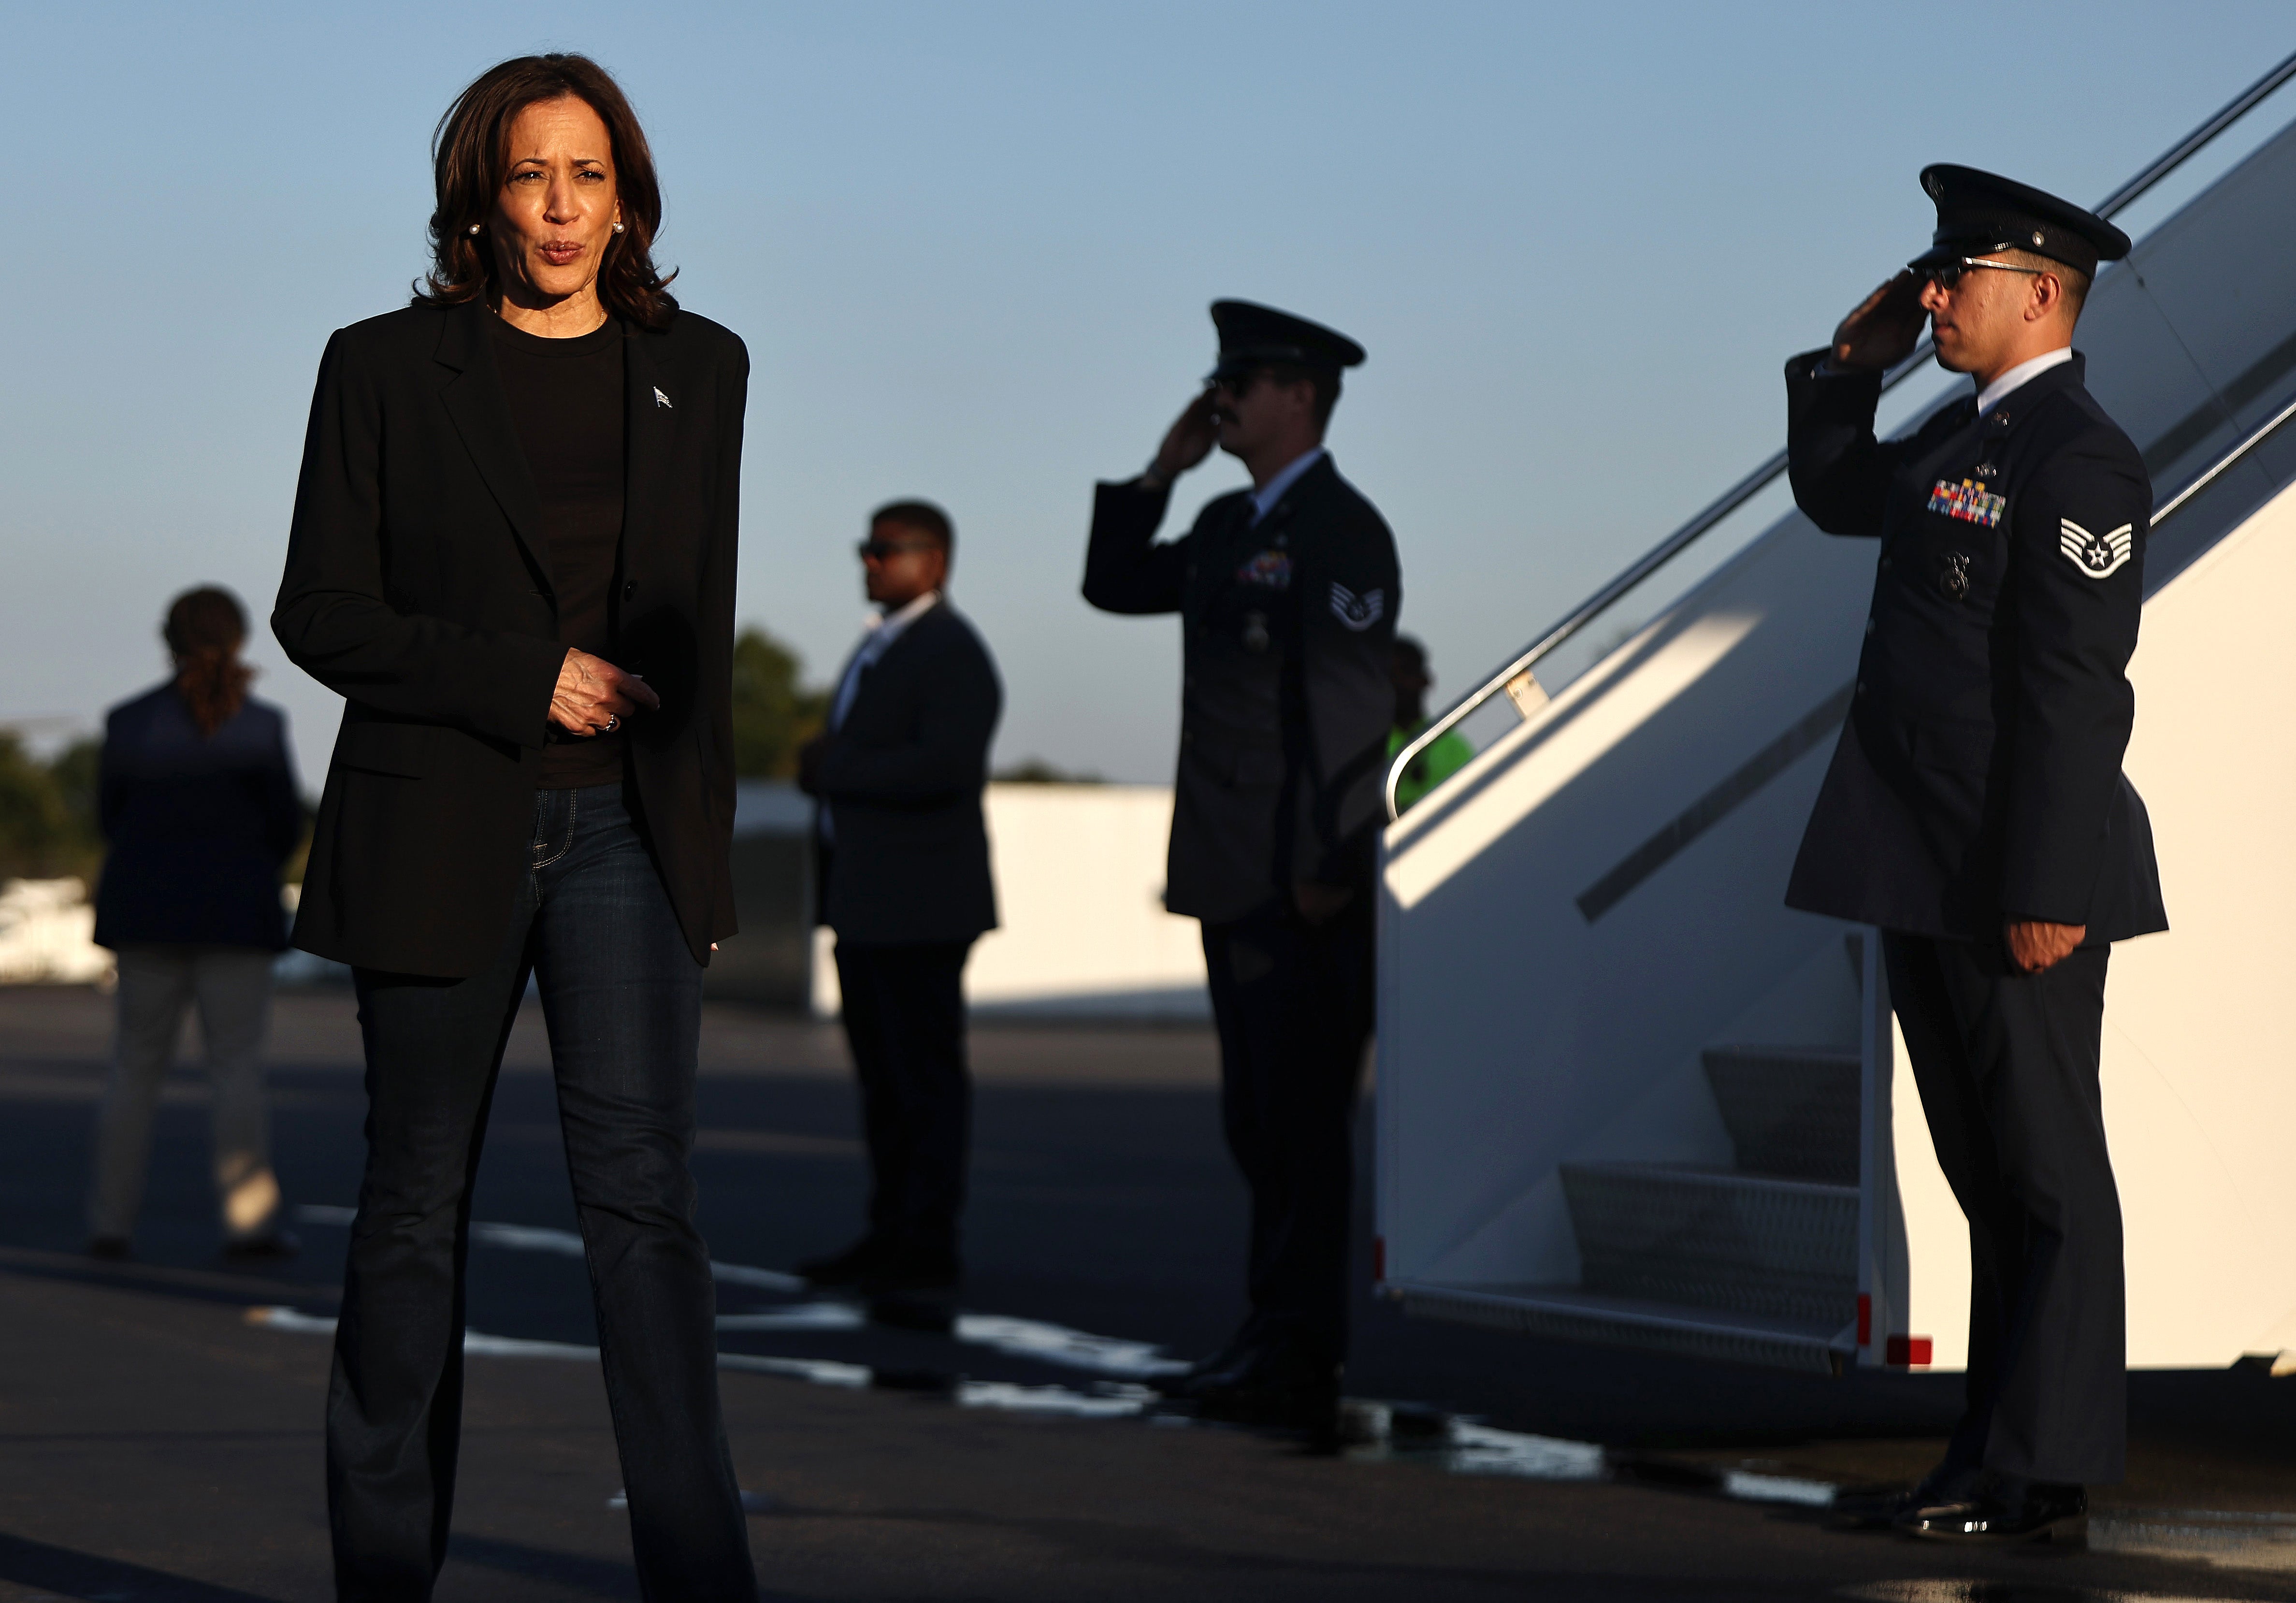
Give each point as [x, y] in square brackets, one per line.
[971, 246]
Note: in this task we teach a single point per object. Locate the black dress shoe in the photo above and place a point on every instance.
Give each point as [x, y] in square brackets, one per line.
[912, 1270]
[107, 1249]
[934, 1312]
[1288, 1387]
[1881, 1510]
[1223, 1367]
[273, 1246]
[2040, 1511]
[847, 1268]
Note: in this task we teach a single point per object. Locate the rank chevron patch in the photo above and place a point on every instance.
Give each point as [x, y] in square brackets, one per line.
[1358, 612]
[2096, 554]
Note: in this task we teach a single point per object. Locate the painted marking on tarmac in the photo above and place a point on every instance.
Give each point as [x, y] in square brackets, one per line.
[1047, 1344]
[1036, 1339]
[1402, 1434]
[1747, 1486]
[1003, 1396]
[804, 1316]
[564, 1244]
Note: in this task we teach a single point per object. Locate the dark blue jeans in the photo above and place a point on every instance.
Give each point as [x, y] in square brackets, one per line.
[622, 996]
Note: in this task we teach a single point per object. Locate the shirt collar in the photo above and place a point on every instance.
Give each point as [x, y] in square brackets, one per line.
[885, 627]
[1997, 392]
[1264, 499]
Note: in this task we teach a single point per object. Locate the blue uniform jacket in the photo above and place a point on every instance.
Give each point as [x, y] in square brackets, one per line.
[1978, 777]
[197, 826]
[1285, 697]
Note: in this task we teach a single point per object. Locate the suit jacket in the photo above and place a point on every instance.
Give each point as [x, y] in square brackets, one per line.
[905, 856]
[197, 826]
[1978, 777]
[419, 587]
[1286, 696]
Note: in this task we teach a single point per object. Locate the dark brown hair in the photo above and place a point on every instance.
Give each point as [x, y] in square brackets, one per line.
[469, 160]
[924, 517]
[205, 630]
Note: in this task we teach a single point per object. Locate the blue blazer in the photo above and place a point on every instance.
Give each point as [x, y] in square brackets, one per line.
[197, 826]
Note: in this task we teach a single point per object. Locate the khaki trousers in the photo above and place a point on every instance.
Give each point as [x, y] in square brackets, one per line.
[232, 985]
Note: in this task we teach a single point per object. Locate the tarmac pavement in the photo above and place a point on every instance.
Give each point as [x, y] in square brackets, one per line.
[160, 1420]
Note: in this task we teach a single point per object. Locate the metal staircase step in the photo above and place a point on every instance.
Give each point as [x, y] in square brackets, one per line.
[1791, 1111]
[1714, 1239]
[1574, 1314]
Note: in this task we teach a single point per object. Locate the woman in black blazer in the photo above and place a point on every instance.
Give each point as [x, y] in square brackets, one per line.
[513, 554]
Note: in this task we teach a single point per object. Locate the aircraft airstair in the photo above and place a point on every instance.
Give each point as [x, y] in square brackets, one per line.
[1625, 1095]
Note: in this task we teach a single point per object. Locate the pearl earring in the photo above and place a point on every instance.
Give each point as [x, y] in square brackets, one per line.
[474, 231]
[617, 228]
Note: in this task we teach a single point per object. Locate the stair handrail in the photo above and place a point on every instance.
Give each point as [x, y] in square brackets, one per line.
[2209, 475]
[1755, 483]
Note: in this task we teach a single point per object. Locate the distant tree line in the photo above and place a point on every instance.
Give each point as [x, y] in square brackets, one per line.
[47, 811]
[774, 714]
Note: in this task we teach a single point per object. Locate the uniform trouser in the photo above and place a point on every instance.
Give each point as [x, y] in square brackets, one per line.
[232, 985]
[2008, 1066]
[904, 1010]
[1293, 1005]
[621, 994]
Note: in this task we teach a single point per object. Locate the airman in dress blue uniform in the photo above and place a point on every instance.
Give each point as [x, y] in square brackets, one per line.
[1976, 810]
[1287, 594]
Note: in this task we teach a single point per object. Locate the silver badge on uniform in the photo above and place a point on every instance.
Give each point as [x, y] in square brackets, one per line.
[1358, 612]
[1953, 575]
[2096, 554]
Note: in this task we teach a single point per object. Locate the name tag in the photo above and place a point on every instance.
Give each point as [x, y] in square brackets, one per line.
[1969, 501]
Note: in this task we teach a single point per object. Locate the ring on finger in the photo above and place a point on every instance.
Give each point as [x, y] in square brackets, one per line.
[613, 722]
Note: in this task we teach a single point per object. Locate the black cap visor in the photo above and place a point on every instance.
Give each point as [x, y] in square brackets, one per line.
[1947, 251]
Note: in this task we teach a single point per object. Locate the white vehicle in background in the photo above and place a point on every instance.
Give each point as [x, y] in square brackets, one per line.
[1625, 1095]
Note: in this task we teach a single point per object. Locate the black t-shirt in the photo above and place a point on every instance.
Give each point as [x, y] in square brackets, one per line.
[567, 404]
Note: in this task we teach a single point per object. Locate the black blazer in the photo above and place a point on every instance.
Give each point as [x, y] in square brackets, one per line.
[907, 857]
[418, 586]
[1978, 777]
[197, 826]
[1286, 697]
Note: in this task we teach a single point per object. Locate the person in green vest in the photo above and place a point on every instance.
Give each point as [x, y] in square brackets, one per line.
[1406, 662]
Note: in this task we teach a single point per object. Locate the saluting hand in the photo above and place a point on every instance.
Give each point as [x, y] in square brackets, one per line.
[594, 695]
[2035, 944]
[1884, 329]
[1188, 442]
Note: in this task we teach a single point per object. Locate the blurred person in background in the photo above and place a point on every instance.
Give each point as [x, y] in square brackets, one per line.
[196, 796]
[903, 855]
[514, 554]
[1446, 753]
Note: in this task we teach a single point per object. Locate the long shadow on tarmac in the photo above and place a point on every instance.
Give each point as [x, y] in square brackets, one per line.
[75, 1575]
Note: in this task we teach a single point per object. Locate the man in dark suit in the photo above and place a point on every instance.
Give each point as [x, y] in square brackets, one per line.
[905, 884]
[1976, 810]
[1287, 594]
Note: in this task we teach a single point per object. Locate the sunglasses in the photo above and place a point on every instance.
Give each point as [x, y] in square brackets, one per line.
[1946, 275]
[883, 551]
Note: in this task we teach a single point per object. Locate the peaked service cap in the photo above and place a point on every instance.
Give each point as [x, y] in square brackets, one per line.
[1252, 336]
[1979, 213]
